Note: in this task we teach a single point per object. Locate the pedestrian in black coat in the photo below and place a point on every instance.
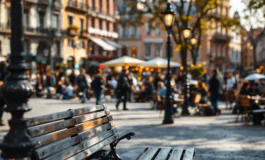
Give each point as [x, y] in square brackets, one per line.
[123, 89]
[216, 89]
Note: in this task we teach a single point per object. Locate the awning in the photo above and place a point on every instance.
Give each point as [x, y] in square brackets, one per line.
[102, 44]
[115, 44]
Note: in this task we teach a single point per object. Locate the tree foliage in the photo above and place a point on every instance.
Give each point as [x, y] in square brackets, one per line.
[192, 12]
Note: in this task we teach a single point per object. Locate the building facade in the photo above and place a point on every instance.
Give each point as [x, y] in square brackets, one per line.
[144, 42]
[59, 32]
[235, 47]
[42, 44]
[260, 49]
[218, 37]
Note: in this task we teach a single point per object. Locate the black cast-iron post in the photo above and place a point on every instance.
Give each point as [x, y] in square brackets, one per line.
[168, 118]
[185, 110]
[16, 90]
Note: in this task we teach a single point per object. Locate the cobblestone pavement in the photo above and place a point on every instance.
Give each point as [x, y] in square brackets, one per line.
[214, 138]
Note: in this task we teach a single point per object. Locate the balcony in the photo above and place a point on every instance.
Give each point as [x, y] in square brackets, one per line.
[216, 16]
[221, 37]
[43, 2]
[75, 6]
[30, 2]
[130, 37]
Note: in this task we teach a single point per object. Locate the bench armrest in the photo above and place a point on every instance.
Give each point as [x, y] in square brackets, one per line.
[113, 154]
[122, 136]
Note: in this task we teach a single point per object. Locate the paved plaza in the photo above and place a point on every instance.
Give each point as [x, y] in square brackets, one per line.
[215, 138]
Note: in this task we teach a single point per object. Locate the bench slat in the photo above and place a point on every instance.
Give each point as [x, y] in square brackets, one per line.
[149, 153]
[50, 138]
[52, 127]
[189, 153]
[58, 146]
[176, 154]
[88, 152]
[163, 153]
[82, 146]
[62, 115]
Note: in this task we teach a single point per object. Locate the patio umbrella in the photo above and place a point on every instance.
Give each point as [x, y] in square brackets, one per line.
[122, 61]
[254, 76]
[159, 63]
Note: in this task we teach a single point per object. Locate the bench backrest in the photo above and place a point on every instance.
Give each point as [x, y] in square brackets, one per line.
[244, 101]
[73, 134]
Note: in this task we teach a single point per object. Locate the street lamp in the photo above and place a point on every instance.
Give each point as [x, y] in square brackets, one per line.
[169, 17]
[186, 32]
[16, 91]
[193, 40]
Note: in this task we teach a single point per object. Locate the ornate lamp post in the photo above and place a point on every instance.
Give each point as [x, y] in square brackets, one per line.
[186, 31]
[169, 17]
[16, 91]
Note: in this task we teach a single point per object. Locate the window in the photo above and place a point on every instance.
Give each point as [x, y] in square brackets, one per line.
[81, 25]
[70, 21]
[107, 26]
[82, 44]
[198, 54]
[93, 23]
[9, 45]
[123, 30]
[1, 48]
[158, 50]
[147, 28]
[132, 31]
[148, 50]
[57, 48]
[108, 6]
[26, 19]
[26, 47]
[9, 18]
[71, 43]
[100, 24]
[55, 21]
[158, 31]
[41, 19]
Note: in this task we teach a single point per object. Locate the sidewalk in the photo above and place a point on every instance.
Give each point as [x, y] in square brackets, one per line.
[214, 138]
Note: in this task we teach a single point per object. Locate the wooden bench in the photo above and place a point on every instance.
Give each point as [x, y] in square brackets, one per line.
[167, 153]
[82, 134]
[75, 134]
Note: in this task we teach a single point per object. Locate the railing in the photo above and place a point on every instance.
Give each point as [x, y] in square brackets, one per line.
[31, 1]
[76, 5]
[221, 37]
[133, 37]
[44, 2]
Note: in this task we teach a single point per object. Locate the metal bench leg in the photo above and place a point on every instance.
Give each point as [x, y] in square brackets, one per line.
[113, 154]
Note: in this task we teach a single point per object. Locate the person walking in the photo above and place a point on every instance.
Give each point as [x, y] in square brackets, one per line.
[123, 88]
[216, 89]
[98, 85]
[81, 82]
[50, 82]
[72, 77]
[3, 75]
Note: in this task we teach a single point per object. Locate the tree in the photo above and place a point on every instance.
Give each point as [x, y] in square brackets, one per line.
[253, 14]
[193, 12]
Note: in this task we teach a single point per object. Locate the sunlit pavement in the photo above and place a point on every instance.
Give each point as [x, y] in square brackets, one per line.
[214, 138]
